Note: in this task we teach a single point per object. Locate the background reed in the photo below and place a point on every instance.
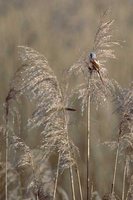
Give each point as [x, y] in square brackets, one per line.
[68, 48]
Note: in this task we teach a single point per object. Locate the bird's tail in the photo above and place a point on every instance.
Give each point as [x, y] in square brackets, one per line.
[100, 77]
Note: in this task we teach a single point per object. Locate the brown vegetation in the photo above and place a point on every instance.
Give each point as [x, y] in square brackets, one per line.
[48, 151]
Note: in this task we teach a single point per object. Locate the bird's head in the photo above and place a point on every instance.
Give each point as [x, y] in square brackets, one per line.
[92, 56]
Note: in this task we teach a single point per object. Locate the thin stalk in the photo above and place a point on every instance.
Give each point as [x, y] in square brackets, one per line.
[37, 198]
[35, 179]
[92, 189]
[79, 182]
[88, 146]
[70, 167]
[124, 179]
[115, 169]
[56, 179]
[128, 191]
[116, 162]
[7, 143]
[72, 182]
[6, 177]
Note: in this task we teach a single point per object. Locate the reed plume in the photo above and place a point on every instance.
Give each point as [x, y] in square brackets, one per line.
[95, 85]
[123, 102]
[36, 81]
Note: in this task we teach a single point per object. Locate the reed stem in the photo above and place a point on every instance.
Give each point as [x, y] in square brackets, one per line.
[79, 182]
[115, 169]
[56, 179]
[7, 143]
[124, 179]
[72, 183]
[6, 177]
[88, 145]
[116, 162]
[70, 167]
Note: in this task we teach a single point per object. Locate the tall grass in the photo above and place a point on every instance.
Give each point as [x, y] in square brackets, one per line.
[50, 117]
[36, 81]
[96, 84]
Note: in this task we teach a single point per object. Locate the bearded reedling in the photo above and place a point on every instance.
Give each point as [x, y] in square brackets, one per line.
[94, 65]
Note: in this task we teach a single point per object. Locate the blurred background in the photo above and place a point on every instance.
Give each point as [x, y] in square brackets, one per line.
[62, 30]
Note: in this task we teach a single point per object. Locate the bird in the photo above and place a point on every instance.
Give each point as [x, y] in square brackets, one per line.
[94, 64]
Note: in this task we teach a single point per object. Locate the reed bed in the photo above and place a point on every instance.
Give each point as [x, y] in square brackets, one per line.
[30, 175]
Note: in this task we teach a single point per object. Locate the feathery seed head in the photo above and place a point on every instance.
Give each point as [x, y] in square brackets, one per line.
[36, 81]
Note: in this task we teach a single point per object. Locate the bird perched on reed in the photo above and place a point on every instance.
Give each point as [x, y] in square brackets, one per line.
[91, 67]
[94, 64]
[102, 50]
